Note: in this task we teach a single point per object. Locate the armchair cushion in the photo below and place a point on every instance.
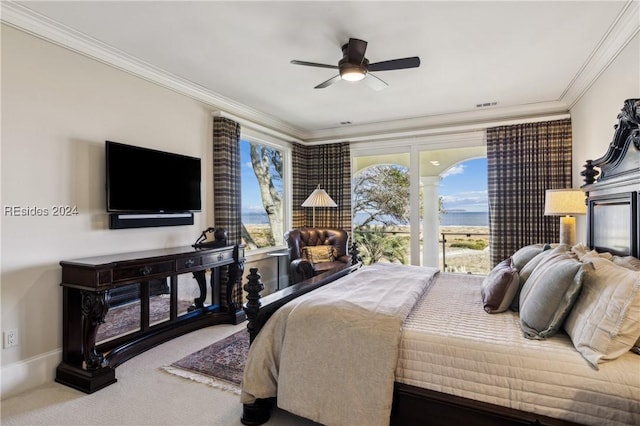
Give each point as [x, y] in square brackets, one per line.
[318, 254]
[316, 250]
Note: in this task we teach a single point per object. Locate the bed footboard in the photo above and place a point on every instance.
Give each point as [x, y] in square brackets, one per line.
[260, 309]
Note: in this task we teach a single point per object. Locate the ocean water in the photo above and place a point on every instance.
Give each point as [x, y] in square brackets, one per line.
[255, 218]
[464, 219]
[446, 219]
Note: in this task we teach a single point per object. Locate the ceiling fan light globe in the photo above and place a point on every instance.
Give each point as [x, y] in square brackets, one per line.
[352, 75]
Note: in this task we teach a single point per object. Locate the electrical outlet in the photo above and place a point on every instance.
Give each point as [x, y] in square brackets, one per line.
[10, 338]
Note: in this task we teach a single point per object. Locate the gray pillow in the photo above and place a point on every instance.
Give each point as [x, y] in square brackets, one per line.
[549, 294]
[528, 268]
[499, 287]
[526, 253]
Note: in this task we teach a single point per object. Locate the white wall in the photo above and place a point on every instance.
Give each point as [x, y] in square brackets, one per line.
[58, 108]
[594, 115]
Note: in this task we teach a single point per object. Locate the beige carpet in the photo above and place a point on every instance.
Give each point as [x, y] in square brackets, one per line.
[143, 395]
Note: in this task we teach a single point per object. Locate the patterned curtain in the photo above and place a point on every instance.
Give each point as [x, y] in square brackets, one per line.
[329, 166]
[226, 196]
[299, 160]
[523, 161]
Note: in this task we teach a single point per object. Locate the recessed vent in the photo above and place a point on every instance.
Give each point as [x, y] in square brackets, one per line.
[486, 104]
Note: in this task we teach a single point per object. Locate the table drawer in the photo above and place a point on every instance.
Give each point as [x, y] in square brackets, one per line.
[218, 257]
[189, 262]
[142, 271]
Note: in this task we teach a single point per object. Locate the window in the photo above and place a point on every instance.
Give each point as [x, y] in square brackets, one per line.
[263, 194]
[381, 213]
[464, 218]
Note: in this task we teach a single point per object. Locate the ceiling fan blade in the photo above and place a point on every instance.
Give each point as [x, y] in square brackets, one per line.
[328, 82]
[374, 82]
[355, 50]
[395, 64]
[313, 64]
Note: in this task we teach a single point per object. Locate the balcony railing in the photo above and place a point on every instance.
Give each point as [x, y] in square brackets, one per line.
[461, 252]
[466, 255]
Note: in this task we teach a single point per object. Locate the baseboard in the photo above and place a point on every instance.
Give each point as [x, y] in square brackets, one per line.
[27, 374]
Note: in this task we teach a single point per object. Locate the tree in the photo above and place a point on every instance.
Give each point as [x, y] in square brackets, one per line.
[267, 166]
[382, 194]
[375, 244]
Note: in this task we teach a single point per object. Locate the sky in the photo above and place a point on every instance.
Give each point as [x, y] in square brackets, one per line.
[463, 186]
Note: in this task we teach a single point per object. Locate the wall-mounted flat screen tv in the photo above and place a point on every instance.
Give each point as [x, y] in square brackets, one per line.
[142, 180]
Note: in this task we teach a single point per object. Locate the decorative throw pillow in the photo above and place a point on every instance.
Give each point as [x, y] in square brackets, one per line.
[528, 268]
[526, 253]
[628, 262]
[318, 254]
[334, 252]
[605, 320]
[632, 263]
[580, 249]
[549, 293]
[499, 287]
[586, 257]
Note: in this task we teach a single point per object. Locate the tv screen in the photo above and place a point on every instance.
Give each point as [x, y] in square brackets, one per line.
[142, 180]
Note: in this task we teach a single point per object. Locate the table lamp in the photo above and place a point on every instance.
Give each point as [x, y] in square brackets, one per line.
[565, 203]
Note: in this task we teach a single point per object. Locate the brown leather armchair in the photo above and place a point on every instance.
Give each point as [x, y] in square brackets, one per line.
[301, 266]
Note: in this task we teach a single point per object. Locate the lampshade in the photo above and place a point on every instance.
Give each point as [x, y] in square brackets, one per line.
[561, 202]
[319, 198]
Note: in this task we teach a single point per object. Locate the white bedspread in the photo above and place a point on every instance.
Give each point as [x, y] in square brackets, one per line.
[341, 373]
[449, 344]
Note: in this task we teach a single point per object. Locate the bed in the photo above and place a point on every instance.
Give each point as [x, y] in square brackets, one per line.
[453, 362]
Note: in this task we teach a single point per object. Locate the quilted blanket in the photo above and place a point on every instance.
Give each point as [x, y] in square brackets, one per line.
[331, 355]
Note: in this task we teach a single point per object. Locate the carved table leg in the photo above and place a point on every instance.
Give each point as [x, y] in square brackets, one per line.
[234, 284]
[201, 279]
[94, 309]
[83, 367]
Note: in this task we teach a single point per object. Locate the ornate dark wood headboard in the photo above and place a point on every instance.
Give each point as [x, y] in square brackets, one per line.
[613, 203]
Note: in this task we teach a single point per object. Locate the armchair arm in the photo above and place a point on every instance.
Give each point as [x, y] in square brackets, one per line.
[300, 270]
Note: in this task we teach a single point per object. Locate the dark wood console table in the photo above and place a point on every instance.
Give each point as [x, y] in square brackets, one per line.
[88, 365]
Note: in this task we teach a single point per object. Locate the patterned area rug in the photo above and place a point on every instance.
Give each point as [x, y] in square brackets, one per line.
[219, 365]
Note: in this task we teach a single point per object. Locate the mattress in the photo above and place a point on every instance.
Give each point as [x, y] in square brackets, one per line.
[451, 345]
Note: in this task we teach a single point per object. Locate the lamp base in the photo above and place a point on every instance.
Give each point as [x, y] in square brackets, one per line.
[568, 230]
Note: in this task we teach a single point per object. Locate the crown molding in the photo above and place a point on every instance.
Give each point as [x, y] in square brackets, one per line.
[25, 19]
[421, 127]
[252, 125]
[625, 27]
[622, 31]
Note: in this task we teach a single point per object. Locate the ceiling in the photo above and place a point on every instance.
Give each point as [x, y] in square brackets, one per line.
[529, 58]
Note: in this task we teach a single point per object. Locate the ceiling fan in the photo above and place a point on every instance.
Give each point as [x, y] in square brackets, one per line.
[355, 67]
